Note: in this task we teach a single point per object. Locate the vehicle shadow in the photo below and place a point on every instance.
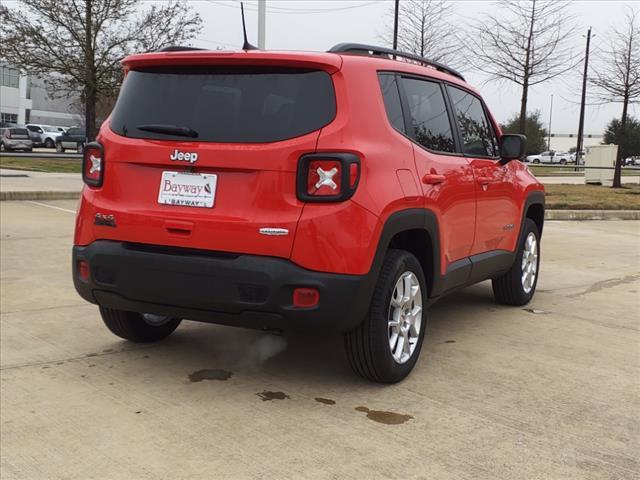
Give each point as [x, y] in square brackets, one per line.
[303, 358]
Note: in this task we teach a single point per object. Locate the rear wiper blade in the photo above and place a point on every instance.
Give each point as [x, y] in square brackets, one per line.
[170, 129]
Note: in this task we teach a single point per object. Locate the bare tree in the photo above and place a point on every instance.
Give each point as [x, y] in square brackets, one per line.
[77, 45]
[526, 43]
[425, 29]
[616, 77]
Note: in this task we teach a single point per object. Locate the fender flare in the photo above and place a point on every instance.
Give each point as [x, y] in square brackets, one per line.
[402, 221]
[535, 197]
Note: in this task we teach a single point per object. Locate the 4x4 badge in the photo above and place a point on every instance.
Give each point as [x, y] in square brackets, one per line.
[184, 156]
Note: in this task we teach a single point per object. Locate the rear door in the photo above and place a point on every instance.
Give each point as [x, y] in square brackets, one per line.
[497, 207]
[447, 177]
[238, 132]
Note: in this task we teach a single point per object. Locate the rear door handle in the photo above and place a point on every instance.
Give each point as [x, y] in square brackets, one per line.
[486, 180]
[433, 179]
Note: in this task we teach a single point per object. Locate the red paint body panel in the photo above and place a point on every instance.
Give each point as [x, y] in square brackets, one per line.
[257, 182]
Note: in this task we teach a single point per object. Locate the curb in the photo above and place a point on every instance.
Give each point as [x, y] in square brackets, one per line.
[51, 195]
[592, 215]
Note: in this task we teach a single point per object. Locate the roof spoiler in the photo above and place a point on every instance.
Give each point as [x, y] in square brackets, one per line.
[361, 49]
[178, 48]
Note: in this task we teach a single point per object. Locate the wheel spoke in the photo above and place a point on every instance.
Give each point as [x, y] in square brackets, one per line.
[399, 347]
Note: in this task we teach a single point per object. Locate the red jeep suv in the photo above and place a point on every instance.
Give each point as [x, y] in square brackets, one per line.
[340, 191]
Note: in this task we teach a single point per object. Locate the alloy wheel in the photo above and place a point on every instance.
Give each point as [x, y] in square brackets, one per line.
[405, 317]
[529, 262]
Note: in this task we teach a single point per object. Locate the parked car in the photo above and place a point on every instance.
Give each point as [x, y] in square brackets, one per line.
[74, 138]
[342, 191]
[551, 156]
[632, 161]
[45, 134]
[15, 138]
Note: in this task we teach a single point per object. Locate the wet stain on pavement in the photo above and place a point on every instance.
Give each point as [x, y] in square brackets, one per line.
[612, 282]
[450, 341]
[535, 310]
[267, 396]
[210, 374]
[107, 350]
[388, 418]
[326, 401]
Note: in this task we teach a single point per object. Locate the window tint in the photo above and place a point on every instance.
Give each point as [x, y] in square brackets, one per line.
[478, 137]
[391, 98]
[429, 117]
[19, 132]
[231, 105]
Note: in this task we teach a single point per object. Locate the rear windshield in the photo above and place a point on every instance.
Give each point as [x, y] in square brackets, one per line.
[19, 131]
[240, 106]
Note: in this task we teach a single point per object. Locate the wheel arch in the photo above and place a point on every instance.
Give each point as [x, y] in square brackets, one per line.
[416, 231]
[534, 209]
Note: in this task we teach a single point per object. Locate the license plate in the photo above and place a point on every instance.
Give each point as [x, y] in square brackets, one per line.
[188, 189]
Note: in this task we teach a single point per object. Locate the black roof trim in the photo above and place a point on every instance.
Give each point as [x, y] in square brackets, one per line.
[359, 48]
[179, 48]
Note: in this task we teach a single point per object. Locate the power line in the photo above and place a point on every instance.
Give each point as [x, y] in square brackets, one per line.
[274, 9]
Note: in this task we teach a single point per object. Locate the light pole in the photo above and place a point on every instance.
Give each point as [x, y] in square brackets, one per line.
[395, 25]
[582, 103]
[262, 13]
[550, 114]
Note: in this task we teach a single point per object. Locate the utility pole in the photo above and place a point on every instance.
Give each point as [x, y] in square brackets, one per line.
[395, 25]
[262, 13]
[89, 81]
[550, 114]
[582, 103]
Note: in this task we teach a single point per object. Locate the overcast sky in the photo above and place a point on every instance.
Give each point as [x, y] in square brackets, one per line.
[320, 24]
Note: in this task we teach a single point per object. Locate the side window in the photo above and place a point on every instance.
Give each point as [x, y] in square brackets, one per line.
[478, 137]
[391, 98]
[429, 117]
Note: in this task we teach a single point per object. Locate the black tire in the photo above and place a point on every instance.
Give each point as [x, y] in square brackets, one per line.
[4, 148]
[367, 346]
[132, 326]
[48, 143]
[59, 148]
[508, 289]
[563, 161]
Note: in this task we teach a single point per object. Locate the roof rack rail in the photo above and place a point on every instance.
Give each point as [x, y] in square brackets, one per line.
[359, 48]
[178, 48]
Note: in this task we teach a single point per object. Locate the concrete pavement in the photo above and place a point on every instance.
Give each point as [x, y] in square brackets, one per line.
[550, 391]
[29, 181]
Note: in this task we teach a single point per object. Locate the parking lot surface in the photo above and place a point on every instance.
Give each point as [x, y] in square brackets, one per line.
[550, 391]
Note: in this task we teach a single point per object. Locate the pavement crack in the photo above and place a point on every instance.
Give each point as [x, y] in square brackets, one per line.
[27, 310]
[609, 283]
[70, 359]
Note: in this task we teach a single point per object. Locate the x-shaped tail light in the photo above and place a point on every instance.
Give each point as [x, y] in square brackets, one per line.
[326, 178]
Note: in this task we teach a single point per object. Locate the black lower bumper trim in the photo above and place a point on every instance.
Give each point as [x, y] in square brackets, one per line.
[240, 290]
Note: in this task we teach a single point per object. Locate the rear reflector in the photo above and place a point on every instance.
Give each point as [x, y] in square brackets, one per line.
[83, 270]
[305, 297]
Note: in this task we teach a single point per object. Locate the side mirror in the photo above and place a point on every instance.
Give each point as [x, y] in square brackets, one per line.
[512, 147]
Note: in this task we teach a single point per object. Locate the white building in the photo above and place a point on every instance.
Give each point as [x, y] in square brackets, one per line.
[562, 142]
[25, 100]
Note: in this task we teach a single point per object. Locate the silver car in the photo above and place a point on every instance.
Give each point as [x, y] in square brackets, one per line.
[15, 138]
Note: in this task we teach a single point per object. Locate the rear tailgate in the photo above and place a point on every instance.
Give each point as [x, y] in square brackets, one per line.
[250, 138]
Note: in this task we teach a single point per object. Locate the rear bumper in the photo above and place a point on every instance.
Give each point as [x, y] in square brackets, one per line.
[239, 290]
